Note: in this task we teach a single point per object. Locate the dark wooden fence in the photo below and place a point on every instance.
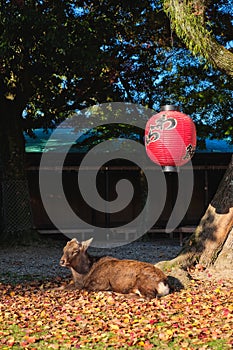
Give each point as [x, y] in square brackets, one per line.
[208, 168]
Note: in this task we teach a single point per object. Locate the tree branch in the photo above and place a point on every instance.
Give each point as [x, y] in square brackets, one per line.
[187, 19]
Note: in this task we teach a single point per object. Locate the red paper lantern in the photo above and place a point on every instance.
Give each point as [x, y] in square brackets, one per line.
[170, 138]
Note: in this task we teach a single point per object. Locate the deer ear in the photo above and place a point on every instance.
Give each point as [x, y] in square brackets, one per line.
[86, 244]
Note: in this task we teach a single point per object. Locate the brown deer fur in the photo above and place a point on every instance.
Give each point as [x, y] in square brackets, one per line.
[108, 273]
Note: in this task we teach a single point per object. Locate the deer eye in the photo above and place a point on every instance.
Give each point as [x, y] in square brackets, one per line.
[75, 252]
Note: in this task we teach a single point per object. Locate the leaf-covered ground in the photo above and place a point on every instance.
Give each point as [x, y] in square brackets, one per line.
[34, 316]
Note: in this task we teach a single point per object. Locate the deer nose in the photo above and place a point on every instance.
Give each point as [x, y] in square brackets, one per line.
[63, 262]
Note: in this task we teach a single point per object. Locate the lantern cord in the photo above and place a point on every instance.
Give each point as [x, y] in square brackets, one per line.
[170, 57]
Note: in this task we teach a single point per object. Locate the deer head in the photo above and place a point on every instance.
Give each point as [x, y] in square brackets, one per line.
[75, 256]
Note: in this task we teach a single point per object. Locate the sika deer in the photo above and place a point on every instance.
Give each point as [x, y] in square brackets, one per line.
[108, 273]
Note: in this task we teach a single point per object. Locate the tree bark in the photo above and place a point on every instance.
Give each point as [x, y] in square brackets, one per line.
[211, 243]
[225, 258]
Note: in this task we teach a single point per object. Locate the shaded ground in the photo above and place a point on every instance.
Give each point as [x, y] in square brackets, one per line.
[41, 260]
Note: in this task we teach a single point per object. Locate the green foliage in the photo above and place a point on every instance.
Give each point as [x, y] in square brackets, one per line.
[56, 57]
[44, 47]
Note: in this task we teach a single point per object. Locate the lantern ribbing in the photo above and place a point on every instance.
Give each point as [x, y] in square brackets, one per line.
[170, 138]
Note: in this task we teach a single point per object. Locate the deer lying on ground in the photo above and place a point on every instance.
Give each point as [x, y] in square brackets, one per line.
[111, 274]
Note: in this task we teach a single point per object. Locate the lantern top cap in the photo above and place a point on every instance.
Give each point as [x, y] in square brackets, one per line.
[169, 108]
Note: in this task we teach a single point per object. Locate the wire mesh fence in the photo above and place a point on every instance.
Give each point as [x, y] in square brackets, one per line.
[15, 203]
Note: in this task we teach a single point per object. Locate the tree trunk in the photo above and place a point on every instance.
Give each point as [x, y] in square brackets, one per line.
[225, 258]
[15, 200]
[211, 243]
